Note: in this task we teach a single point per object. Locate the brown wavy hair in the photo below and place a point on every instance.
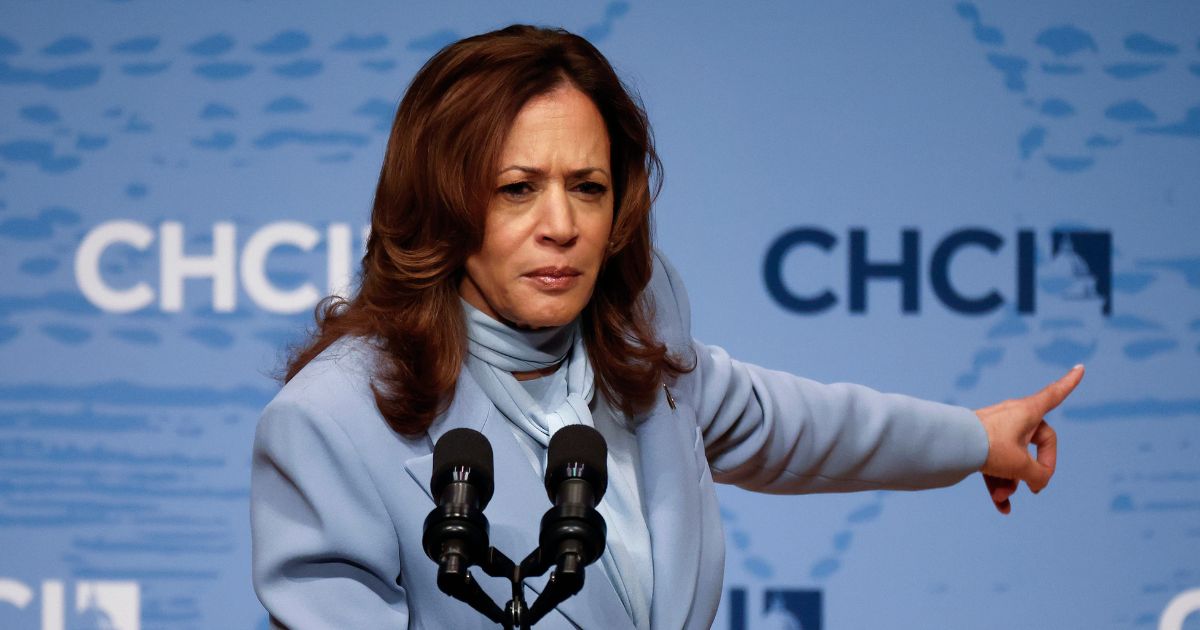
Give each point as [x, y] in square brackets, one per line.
[428, 216]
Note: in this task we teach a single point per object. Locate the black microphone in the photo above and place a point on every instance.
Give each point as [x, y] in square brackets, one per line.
[573, 531]
[456, 531]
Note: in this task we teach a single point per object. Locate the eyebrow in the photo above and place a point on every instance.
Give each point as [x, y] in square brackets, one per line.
[540, 173]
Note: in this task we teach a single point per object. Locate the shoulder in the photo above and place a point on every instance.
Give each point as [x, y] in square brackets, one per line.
[333, 390]
[669, 303]
[347, 364]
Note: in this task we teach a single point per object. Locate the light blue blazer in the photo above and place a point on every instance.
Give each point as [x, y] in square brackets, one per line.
[338, 499]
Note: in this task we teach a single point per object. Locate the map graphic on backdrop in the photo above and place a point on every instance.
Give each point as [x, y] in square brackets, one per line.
[161, 240]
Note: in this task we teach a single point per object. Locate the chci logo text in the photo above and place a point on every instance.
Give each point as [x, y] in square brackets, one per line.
[96, 604]
[783, 608]
[1081, 261]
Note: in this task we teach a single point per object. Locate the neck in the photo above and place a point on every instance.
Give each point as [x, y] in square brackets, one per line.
[532, 374]
[526, 354]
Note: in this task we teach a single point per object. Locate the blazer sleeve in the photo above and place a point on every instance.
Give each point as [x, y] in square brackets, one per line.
[772, 431]
[775, 432]
[324, 548]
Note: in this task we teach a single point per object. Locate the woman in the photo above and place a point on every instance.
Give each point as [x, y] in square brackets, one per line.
[510, 286]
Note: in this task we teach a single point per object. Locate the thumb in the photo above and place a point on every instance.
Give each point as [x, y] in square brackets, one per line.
[1036, 475]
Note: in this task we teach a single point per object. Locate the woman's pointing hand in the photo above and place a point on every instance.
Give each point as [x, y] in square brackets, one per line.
[1011, 427]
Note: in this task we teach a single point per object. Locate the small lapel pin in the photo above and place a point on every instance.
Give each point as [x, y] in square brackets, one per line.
[670, 399]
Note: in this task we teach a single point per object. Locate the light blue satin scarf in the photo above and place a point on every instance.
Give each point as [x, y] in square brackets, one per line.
[497, 350]
[494, 352]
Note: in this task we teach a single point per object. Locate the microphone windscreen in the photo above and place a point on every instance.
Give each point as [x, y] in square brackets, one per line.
[463, 450]
[577, 444]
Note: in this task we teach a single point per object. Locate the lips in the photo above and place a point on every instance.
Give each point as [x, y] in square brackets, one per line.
[554, 278]
[555, 272]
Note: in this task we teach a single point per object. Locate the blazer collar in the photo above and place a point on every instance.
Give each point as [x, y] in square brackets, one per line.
[516, 508]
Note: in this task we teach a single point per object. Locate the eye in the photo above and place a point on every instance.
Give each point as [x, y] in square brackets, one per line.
[593, 189]
[516, 190]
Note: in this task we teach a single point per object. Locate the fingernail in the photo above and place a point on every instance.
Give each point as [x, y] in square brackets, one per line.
[1078, 366]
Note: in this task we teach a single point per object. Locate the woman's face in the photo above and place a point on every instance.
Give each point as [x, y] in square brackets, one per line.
[549, 217]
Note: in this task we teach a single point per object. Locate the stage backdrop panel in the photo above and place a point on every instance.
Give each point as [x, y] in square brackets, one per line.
[957, 201]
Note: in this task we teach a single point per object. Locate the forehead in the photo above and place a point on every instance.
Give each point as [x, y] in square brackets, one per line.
[561, 125]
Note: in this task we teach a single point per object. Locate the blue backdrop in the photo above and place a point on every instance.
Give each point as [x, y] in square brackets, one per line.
[952, 200]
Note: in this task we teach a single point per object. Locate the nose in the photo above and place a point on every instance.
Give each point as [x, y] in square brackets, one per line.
[557, 226]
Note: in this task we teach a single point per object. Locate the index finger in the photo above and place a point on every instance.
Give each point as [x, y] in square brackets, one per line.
[1054, 393]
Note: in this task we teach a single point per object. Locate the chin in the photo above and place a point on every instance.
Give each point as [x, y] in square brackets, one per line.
[549, 315]
[545, 321]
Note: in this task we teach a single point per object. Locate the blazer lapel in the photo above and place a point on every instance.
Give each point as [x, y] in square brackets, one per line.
[671, 493]
[515, 511]
[470, 409]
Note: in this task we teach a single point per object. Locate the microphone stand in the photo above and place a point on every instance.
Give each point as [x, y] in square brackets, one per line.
[454, 579]
[566, 580]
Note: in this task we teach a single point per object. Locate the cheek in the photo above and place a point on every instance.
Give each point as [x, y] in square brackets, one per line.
[503, 237]
[599, 232]
[491, 271]
[485, 271]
